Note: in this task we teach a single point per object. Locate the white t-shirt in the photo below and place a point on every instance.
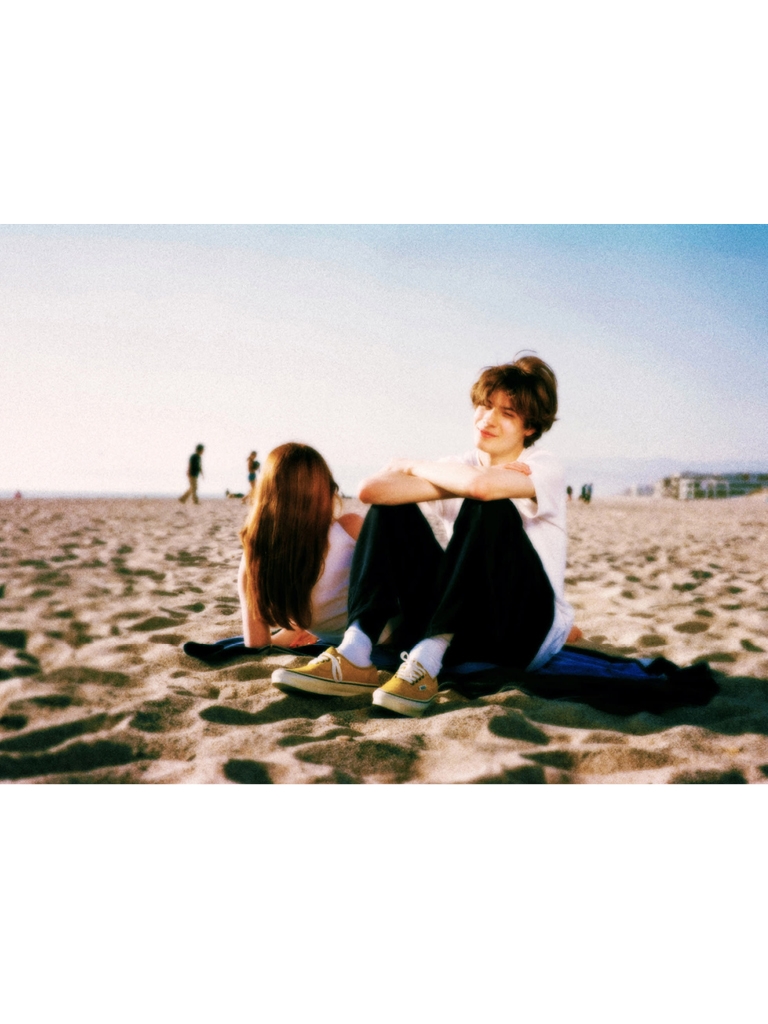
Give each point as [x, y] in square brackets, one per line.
[545, 524]
[329, 595]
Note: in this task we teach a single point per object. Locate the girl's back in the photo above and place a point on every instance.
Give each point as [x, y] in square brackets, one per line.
[329, 596]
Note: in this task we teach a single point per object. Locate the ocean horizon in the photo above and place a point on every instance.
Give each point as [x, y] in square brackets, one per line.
[609, 476]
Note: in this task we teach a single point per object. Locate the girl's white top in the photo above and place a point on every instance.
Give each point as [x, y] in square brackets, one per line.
[329, 596]
[545, 524]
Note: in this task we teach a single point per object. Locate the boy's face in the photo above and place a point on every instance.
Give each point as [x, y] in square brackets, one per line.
[499, 430]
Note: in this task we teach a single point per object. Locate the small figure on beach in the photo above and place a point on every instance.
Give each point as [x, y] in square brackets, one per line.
[569, 492]
[297, 553]
[496, 593]
[586, 493]
[194, 470]
[253, 468]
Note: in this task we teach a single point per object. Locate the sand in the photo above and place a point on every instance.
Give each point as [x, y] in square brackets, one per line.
[97, 596]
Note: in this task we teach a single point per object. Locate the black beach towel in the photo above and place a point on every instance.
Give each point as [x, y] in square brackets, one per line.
[607, 682]
[611, 683]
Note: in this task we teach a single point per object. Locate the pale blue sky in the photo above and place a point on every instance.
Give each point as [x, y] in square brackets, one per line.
[122, 347]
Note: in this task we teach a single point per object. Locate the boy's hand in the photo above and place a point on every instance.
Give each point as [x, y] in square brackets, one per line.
[518, 467]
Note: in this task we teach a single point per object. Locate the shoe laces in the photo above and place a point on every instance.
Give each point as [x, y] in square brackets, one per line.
[411, 670]
[335, 665]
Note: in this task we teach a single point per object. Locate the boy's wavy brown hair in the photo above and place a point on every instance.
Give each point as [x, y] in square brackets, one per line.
[531, 386]
[285, 537]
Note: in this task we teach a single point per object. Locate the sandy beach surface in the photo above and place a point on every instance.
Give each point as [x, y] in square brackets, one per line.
[98, 595]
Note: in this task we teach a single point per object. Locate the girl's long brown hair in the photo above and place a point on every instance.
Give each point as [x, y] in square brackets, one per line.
[285, 537]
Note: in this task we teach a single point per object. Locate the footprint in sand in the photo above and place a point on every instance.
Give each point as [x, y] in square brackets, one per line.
[53, 578]
[55, 735]
[248, 772]
[13, 722]
[605, 737]
[525, 774]
[76, 634]
[74, 676]
[15, 660]
[752, 648]
[185, 559]
[515, 726]
[135, 614]
[77, 757]
[362, 759]
[562, 759]
[220, 714]
[155, 622]
[299, 740]
[729, 777]
[227, 605]
[717, 656]
[52, 700]
[620, 759]
[651, 640]
[15, 638]
[168, 714]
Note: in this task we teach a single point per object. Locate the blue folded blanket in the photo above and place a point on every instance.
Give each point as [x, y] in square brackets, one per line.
[618, 685]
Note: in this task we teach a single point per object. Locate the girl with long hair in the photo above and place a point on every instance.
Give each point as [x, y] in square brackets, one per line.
[297, 552]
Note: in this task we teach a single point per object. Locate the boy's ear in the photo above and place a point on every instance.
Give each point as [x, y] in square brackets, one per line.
[528, 431]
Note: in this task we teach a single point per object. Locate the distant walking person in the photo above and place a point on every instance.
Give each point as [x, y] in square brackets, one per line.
[253, 469]
[194, 470]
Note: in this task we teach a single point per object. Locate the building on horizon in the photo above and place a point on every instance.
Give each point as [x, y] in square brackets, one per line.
[689, 486]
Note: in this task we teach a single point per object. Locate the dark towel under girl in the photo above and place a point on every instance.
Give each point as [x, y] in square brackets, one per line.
[618, 685]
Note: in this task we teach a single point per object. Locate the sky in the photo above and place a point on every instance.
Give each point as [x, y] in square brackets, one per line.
[121, 348]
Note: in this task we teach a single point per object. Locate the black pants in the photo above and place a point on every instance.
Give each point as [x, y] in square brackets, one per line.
[488, 587]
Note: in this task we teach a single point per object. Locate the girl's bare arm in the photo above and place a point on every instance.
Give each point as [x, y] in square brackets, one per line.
[256, 632]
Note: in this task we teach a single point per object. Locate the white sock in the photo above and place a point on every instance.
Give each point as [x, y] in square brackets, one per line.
[356, 646]
[429, 653]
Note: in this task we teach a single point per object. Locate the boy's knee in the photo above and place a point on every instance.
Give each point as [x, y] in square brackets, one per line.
[397, 513]
[493, 518]
[501, 509]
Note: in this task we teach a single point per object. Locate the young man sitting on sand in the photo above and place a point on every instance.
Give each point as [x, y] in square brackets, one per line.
[496, 594]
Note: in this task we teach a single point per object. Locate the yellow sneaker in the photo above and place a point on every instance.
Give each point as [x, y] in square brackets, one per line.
[329, 673]
[410, 691]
